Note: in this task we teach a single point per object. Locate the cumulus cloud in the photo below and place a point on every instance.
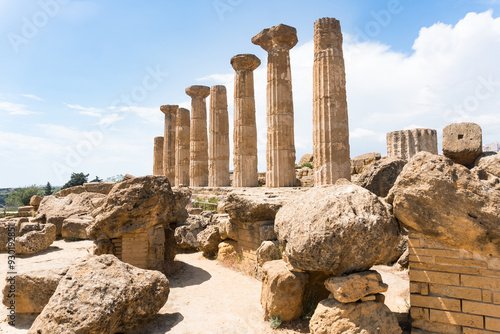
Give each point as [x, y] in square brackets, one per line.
[15, 108]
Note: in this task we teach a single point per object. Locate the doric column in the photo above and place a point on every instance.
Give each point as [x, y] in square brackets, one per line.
[182, 139]
[280, 152]
[198, 164]
[404, 144]
[330, 120]
[245, 129]
[218, 144]
[158, 156]
[170, 112]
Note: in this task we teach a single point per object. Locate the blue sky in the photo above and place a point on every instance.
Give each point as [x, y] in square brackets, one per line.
[82, 81]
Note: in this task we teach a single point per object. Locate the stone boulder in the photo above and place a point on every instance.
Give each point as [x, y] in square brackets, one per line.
[268, 251]
[208, 241]
[353, 287]
[75, 228]
[448, 202]
[28, 227]
[55, 209]
[489, 162]
[462, 143]
[8, 228]
[282, 291]
[334, 317]
[359, 163]
[35, 201]
[99, 187]
[186, 235]
[101, 294]
[134, 205]
[182, 197]
[71, 190]
[36, 241]
[337, 229]
[228, 251]
[227, 229]
[306, 158]
[379, 177]
[195, 211]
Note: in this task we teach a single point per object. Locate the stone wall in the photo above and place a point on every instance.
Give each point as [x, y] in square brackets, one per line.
[452, 290]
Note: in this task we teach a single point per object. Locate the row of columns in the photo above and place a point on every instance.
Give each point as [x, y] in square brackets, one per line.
[208, 157]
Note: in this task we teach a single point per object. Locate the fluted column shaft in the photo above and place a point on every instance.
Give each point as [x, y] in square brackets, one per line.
[330, 118]
[198, 165]
[404, 144]
[182, 141]
[218, 145]
[158, 156]
[280, 151]
[245, 130]
[170, 112]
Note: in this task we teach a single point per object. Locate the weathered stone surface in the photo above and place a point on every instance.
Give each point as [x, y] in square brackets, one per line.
[404, 144]
[337, 229]
[25, 211]
[330, 119]
[186, 235]
[489, 162]
[158, 155]
[101, 294]
[71, 190]
[282, 291]
[195, 211]
[379, 177]
[7, 227]
[245, 128]
[33, 288]
[353, 287]
[306, 158]
[182, 197]
[208, 240]
[75, 228]
[170, 112]
[218, 145]
[227, 229]
[280, 153]
[333, 317]
[55, 209]
[227, 251]
[266, 232]
[358, 163]
[35, 201]
[99, 187]
[133, 206]
[198, 167]
[268, 251]
[28, 227]
[182, 147]
[446, 201]
[36, 241]
[463, 142]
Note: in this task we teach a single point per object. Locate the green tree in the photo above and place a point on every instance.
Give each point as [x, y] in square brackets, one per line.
[22, 196]
[116, 178]
[77, 179]
[97, 179]
[48, 189]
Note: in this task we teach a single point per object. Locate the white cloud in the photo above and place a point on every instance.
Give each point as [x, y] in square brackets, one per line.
[15, 108]
[33, 97]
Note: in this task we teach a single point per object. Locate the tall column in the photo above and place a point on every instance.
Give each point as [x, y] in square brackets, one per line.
[158, 156]
[245, 130]
[182, 138]
[170, 112]
[198, 165]
[330, 120]
[280, 152]
[404, 144]
[218, 144]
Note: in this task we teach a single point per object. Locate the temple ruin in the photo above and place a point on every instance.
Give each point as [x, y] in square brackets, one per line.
[170, 112]
[182, 146]
[218, 144]
[404, 144]
[158, 156]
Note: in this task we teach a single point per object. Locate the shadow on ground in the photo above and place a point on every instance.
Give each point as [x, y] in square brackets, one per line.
[160, 324]
[186, 275]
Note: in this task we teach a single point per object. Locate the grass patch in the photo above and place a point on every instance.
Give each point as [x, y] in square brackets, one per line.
[275, 322]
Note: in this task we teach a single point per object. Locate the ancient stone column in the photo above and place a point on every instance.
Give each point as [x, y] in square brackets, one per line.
[182, 139]
[170, 112]
[245, 130]
[280, 152]
[158, 156]
[404, 144]
[198, 165]
[330, 120]
[218, 139]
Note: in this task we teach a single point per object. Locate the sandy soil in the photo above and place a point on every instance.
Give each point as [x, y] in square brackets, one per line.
[205, 297]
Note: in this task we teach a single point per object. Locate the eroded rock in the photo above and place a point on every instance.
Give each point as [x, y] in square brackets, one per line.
[36, 241]
[353, 287]
[379, 176]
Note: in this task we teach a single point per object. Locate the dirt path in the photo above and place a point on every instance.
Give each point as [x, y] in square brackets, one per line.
[205, 297]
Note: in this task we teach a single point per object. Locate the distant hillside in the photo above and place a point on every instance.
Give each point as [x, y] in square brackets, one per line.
[493, 147]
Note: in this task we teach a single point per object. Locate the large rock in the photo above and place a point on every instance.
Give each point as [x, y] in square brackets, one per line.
[227, 229]
[75, 228]
[36, 241]
[35, 201]
[101, 294]
[268, 251]
[337, 229]
[186, 235]
[9, 228]
[134, 205]
[463, 142]
[282, 291]
[351, 288]
[228, 251]
[55, 209]
[379, 177]
[182, 197]
[359, 163]
[99, 187]
[306, 158]
[489, 162]
[448, 202]
[208, 240]
[334, 317]
[71, 190]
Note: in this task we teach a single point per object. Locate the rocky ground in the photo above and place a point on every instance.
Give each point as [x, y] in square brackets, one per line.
[205, 297]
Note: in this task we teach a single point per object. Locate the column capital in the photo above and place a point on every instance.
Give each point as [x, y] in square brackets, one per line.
[277, 37]
[245, 62]
[168, 109]
[327, 34]
[198, 91]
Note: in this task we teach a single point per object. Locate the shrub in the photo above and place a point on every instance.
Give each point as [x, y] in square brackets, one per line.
[307, 164]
